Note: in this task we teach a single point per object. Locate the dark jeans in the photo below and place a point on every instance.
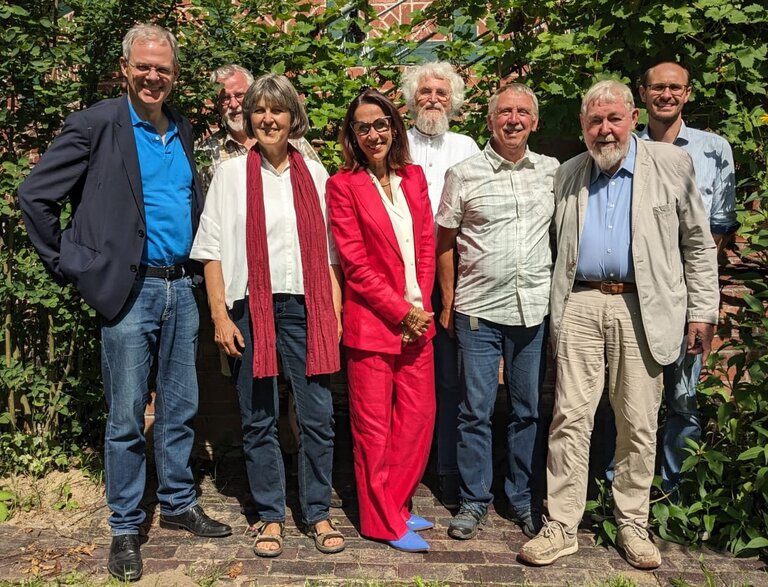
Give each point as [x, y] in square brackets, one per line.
[480, 350]
[259, 412]
[447, 386]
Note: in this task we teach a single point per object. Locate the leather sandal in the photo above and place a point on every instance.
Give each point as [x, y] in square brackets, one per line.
[262, 538]
[321, 538]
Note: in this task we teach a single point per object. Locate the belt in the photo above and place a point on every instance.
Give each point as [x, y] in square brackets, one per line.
[610, 287]
[171, 272]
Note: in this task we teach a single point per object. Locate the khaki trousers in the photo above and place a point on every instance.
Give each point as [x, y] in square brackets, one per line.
[597, 329]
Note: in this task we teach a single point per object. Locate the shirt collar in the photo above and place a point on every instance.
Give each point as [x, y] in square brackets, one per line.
[627, 166]
[425, 137]
[228, 140]
[529, 159]
[136, 121]
[683, 136]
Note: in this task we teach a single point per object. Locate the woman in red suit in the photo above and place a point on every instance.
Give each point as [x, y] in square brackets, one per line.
[381, 220]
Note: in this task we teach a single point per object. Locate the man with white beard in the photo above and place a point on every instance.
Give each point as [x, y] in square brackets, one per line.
[635, 262]
[231, 140]
[434, 93]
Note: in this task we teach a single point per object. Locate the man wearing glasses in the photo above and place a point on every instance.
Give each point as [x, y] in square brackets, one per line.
[665, 89]
[495, 214]
[231, 140]
[434, 93]
[127, 167]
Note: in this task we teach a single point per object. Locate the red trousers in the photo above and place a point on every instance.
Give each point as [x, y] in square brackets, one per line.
[392, 412]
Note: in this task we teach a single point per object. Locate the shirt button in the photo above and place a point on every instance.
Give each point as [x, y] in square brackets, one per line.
[610, 226]
[610, 205]
[608, 251]
[611, 275]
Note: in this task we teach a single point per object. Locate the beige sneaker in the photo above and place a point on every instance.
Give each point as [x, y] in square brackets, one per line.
[549, 545]
[638, 549]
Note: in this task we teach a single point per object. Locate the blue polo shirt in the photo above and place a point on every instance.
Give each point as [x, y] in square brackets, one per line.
[605, 247]
[166, 180]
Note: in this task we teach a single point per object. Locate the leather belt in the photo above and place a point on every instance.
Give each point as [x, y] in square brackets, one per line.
[171, 272]
[610, 287]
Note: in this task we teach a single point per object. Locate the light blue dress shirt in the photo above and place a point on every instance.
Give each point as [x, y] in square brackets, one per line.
[605, 247]
[715, 176]
[166, 180]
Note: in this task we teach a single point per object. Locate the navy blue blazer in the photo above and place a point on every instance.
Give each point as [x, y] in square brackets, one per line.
[94, 163]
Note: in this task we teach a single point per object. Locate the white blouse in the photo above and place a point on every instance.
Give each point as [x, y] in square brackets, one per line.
[402, 223]
[221, 234]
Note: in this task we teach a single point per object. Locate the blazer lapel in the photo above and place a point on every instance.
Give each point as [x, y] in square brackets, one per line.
[411, 189]
[127, 145]
[582, 183]
[371, 202]
[639, 182]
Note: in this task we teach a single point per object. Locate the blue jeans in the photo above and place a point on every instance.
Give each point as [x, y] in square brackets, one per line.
[447, 386]
[480, 350]
[158, 322]
[260, 410]
[680, 381]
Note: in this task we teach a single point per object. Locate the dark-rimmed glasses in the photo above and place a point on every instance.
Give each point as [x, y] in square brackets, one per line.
[380, 125]
[674, 89]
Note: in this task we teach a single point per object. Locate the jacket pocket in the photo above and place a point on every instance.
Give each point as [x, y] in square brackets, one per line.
[75, 258]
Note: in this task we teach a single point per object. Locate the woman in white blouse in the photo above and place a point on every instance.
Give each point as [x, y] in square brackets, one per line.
[273, 288]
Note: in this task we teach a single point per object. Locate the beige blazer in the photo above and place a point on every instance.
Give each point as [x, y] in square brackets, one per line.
[673, 252]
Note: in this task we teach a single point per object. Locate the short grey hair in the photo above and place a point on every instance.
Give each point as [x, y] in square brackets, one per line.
[227, 71]
[150, 32]
[413, 76]
[276, 90]
[609, 90]
[516, 88]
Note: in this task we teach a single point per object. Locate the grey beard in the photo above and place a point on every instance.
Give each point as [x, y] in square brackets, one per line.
[430, 125]
[234, 126]
[607, 159]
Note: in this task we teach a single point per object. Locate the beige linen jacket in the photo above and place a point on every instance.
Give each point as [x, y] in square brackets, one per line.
[672, 249]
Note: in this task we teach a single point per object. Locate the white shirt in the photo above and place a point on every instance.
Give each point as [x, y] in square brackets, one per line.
[221, 235]
[502, 211]
[402, 223]
[436, 154]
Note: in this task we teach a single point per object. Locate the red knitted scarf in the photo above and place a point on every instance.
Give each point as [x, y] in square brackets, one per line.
[322, 334]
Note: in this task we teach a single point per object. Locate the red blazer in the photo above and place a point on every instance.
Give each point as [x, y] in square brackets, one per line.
[374, 271]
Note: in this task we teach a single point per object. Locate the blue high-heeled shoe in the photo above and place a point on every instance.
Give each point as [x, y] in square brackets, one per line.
[410, 542]
[417, 523]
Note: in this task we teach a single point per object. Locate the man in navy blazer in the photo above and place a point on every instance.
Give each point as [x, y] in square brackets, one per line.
[127, 167]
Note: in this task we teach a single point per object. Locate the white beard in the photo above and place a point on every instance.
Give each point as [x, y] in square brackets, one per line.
[234, 125]
[609, 155]
[430, 124]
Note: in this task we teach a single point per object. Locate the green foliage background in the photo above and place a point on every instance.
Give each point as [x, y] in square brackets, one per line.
[62, 57]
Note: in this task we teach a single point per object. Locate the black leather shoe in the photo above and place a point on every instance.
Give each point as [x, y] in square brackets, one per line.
[195, 520]
[125, 558]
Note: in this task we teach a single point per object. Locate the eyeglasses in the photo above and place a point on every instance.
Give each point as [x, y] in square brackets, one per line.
[144, 69]
[441, 94]
[380, 125]
[226, 99]
[674, 89]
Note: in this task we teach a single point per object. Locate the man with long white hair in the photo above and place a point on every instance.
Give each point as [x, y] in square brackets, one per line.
[635, 262]
[434, 93]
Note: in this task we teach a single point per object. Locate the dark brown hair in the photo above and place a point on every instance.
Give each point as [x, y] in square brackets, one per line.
[398, 157]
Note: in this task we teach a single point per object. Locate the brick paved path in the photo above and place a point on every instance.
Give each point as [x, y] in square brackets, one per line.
[177, 558]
